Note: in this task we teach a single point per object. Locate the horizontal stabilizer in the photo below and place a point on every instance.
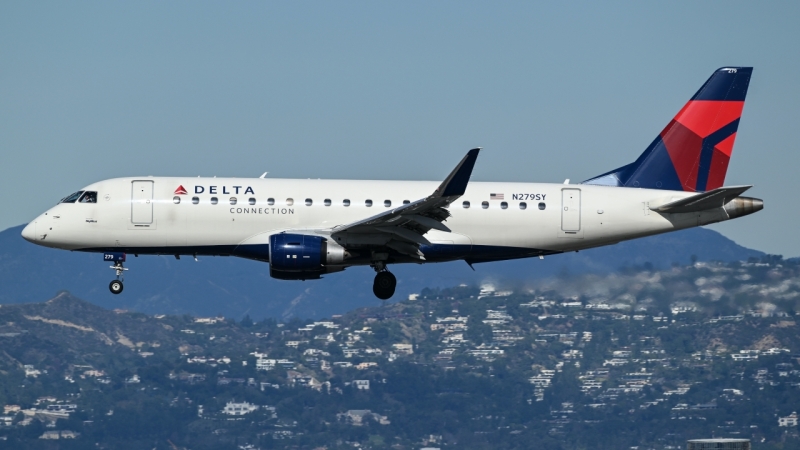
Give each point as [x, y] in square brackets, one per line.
[701, 202]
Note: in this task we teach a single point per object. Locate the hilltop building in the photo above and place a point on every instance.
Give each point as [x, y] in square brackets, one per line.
[239, 409]
[718, 444]
[788, 421]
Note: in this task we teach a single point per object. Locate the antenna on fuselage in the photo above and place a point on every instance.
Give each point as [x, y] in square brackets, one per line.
[263, 175]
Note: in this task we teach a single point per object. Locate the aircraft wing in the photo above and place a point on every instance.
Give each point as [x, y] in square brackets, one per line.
[715, 198]
[407, 224]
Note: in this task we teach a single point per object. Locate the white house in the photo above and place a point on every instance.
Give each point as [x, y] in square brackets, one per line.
[788, 421]
[30, 371]
[239, 409]
[265, 364]
[357, 417]
[404, 349]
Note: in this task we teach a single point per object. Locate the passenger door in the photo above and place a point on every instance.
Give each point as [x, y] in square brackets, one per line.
[571, 213]
[142, 202]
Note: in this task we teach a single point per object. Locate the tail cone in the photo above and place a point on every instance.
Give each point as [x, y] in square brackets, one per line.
[742, 206]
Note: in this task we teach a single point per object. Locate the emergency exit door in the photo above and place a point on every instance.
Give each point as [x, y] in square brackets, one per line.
[142, 202]
[570, 210]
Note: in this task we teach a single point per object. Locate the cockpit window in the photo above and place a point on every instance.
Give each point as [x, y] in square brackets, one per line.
[71, 198]
[88, 197]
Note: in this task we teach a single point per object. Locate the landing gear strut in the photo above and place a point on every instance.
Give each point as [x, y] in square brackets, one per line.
[118, 258]
[384, 284]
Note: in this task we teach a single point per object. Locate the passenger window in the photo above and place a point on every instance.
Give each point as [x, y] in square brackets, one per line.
[195, 200]
[346, 202]
[270, 201]
[327, 202]
[387, 203]
[523, 205]
[233, 200]
[214, 200]
[406, 202]
[176, 200]
[542, 206]
[465, 204]
[290, 201]
[485, 205]
[88, 197]
[309, 202]
[368, 203]
[251, 200]
[72, 198]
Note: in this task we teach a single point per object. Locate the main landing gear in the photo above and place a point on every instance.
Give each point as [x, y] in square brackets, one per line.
[118, 258]
[385, 283]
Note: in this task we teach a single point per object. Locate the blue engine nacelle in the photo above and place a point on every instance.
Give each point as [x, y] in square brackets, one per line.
[296, 256]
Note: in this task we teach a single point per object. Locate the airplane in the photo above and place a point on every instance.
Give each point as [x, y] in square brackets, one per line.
[305, 229]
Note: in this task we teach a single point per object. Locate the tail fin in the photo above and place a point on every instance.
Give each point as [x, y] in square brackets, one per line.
[693, 151]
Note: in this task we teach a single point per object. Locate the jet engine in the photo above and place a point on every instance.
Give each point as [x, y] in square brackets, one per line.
[303, 256]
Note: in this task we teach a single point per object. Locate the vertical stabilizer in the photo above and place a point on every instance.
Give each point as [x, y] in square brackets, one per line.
[693, 151]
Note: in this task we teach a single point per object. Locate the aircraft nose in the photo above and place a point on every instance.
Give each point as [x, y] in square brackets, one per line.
[29, 232]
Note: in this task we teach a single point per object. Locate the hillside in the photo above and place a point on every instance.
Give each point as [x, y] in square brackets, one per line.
[644, 358]
[66, 331]
[234, 287]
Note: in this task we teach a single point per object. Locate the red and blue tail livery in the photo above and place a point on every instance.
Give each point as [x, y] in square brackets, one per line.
[693, 151]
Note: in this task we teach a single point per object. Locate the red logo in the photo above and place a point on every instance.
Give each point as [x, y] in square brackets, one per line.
[180, 191]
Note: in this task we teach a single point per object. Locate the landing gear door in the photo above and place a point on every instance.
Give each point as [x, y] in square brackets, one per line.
[571, 214]
[142, 203]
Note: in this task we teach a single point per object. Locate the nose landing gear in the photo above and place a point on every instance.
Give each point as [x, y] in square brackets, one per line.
[115, 286]
[117, 258]
[385, 283]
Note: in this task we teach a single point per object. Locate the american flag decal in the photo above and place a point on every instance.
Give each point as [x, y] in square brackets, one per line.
[495, 196]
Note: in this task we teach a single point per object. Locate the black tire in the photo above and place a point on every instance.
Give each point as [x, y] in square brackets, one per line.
[384, 285]
[115, 287]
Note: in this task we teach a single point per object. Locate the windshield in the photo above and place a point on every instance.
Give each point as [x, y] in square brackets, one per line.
[71, 198]
[88, 197]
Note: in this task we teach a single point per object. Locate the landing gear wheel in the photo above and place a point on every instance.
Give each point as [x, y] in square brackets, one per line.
[115, 287]
[384, 285]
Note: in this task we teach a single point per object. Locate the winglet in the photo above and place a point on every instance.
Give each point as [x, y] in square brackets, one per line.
[456, 182]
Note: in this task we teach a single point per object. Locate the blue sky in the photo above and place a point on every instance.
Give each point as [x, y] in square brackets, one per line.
[386, 91]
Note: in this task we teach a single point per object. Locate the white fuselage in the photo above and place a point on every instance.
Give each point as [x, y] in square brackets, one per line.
[142, 215]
